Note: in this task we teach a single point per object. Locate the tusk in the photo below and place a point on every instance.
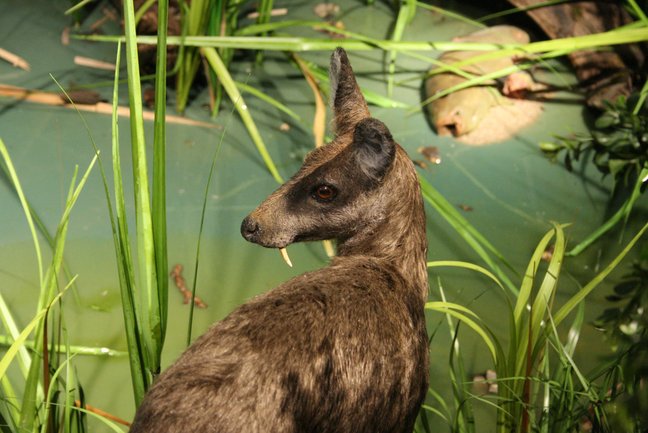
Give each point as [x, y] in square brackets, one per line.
[284, 255]
[328, 248]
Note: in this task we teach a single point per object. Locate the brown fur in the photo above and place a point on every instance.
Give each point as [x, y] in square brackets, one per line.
[339, 350]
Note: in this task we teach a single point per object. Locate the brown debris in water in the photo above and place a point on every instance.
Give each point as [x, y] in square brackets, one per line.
[14, 59]
[431, 153]
[178, 279]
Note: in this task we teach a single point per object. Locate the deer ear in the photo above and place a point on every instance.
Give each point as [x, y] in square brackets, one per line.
[373, 147]
[349, 106]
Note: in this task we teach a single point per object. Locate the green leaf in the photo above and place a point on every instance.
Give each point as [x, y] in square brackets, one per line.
[582, 293]
[159, 171]
[606, 120]
[470, 235]
[549, 147]
[20, 341]
[152, 310]
[125, 266]
[229, 85]
[466, 316]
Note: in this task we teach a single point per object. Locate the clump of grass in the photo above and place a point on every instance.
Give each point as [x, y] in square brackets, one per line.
[144, 298]
[50, 386]
[539, 386]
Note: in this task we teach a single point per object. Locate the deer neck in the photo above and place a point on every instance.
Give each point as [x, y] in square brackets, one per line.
[398, 235]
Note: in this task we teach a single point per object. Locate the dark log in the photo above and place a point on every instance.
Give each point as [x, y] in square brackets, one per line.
[606, 74]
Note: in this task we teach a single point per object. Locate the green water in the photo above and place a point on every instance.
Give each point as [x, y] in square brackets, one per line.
[514, 193]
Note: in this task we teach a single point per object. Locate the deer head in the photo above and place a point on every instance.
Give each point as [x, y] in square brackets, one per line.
[332, 196]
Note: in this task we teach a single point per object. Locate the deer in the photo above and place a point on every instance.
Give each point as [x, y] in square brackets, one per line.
[341, 349]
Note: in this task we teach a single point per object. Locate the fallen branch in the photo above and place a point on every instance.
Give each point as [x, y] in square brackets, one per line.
[77, 403]
[55, 99]
[93, 63]
[15, 60]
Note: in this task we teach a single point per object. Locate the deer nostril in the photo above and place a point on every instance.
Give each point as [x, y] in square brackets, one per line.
[249, 228]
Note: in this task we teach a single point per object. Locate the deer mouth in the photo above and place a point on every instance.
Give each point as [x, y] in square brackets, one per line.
[253, 232]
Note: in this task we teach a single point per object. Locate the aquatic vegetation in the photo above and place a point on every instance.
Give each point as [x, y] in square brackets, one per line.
[539, 386]
[617, 146]
[50, 385]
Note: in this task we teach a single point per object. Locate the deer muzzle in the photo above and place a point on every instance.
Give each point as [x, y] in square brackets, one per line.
[263, 233]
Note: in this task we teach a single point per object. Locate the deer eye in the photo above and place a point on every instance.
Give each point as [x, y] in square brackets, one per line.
[324, 193]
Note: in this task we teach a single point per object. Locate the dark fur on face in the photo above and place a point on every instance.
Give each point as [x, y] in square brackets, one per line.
[339, 350]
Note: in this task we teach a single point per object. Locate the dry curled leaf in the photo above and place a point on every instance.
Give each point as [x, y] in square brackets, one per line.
[431, 153]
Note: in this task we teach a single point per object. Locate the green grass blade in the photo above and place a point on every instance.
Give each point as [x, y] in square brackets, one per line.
[11, 352]
[265, 98]
[49, 398]
[566, 351]
[521, 9]
[638, 11]
[194, 18]
[200, 228]
[230, 87]
[372, 98]
[40, 225]
[435, 411]
[9, 412]
[132, 321]
[47, 283]
[573, 302]
[548, 287]
[457, 372]
[11, 328]
[470, 235]
[574, 330]
[151, 310]
[30, 410]
[622, 213]
[450, 14]
[620, 36]
[51, 277]
[465, 265]
[529, 276]
[405, 14]
[475, 81]
[70, 385]
[159, 171]
[31, 406]
[641, 100]
[25, 205]
[77, 6]
[75, 350]
[145, 7]
[462, 313]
